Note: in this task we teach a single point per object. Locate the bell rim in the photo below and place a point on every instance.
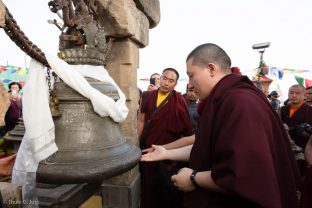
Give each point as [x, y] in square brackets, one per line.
[89, 172]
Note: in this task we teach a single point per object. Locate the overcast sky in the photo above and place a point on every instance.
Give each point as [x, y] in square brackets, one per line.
[235, 25]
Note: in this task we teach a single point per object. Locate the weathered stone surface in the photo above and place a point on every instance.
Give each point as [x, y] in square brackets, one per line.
[151, 9]
[11, 194]
[66, 195]
[122, 66]
[121, 18]
[125, 196]
[2, 14]
[4, 103]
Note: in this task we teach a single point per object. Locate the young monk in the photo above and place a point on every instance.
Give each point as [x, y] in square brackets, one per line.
[241, 156]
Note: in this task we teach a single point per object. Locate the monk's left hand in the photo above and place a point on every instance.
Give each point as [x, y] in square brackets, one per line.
[182, 180]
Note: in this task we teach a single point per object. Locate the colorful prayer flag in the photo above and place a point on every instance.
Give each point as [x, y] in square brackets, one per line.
[308, 83]
[303, 82]
[300, 80]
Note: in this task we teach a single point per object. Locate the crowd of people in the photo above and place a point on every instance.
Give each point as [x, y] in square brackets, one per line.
[240, 151]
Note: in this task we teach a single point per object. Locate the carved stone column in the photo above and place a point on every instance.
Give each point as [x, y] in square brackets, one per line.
[128, 21]
[2, 14]
[4, 103]
[123, 68]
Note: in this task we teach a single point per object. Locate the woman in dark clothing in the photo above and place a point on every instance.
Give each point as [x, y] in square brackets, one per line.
[15, 109]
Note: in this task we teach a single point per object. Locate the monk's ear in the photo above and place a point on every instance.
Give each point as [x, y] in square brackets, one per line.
[212, 69]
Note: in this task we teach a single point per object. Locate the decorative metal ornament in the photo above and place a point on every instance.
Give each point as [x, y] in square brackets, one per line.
[83, 39]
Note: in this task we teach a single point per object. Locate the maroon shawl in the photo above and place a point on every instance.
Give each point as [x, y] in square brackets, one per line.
[169, 123]
[306, 198]
[243, 142]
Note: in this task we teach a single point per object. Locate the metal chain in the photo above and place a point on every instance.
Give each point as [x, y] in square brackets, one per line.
[49, 78]
[55, 78]
[14, 32]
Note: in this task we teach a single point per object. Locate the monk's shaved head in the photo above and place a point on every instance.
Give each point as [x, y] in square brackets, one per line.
[210, 53]
[296, 95]
[302, 89]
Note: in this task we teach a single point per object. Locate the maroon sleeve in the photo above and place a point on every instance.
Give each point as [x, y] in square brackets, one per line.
[306, 198]
[144, 102]
[188, 131]
[181, 122]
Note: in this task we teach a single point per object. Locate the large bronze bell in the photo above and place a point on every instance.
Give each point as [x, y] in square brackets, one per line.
[91, 148]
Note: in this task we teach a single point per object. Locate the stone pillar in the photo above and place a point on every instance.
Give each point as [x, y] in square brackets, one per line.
[4, 103]
[122, 66]
[124, 190]
[128, 21]
[2, 14]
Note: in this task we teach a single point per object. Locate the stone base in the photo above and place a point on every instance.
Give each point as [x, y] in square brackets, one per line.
[11, 195]
[66, 196]
[122, 196]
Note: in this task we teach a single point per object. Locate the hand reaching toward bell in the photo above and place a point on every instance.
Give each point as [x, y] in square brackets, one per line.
[155, 153]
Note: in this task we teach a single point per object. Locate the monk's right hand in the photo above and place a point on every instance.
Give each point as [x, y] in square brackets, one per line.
[155, 153]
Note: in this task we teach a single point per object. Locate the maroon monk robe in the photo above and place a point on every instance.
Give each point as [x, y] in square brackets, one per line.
[302, 115]
[243, 142]
[12, 115]
[168, 124]
[306, 198]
